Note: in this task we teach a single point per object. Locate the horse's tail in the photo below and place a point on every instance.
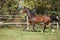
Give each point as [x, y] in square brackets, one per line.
[54, 18]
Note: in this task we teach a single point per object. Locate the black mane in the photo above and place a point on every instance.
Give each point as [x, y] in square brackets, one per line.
[30, 11]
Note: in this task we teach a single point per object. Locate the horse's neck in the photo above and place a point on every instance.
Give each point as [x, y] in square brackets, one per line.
[30, 13]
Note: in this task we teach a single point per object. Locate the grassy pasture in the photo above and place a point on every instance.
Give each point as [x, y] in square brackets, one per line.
[17, 34]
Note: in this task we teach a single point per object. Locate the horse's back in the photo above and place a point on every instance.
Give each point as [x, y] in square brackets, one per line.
[47, 18]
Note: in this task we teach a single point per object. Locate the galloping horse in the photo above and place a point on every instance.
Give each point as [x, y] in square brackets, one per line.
[34, 19]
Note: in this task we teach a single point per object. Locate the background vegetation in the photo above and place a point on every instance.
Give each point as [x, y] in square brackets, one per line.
[12, 7]
[44, 6]
[8, 7]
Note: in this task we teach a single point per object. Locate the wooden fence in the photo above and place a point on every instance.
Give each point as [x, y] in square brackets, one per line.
[21, 23]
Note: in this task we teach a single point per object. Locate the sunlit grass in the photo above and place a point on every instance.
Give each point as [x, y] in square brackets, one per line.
[18, 34]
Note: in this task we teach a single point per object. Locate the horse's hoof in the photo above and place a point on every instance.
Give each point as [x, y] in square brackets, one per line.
[53, 30]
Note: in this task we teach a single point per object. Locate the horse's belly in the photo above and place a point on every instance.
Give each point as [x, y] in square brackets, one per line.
[37, 20]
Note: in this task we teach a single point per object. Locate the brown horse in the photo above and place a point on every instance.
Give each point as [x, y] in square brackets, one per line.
[34, 19]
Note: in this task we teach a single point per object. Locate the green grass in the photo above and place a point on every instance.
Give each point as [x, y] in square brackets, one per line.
[18, 34]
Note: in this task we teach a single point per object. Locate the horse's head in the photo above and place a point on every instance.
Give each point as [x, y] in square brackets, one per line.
[23, 10]
[27, 11]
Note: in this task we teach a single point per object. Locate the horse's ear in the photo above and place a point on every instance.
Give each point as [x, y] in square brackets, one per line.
[24, 7]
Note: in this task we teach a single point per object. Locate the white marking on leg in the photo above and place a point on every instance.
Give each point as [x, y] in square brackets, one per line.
[53, 30]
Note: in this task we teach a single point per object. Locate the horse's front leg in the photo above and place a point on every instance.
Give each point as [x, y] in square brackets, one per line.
[34, 27]
[25, 28]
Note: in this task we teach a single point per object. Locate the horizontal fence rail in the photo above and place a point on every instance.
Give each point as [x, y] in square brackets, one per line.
[12, 23]
[9, 15]
[20, 23]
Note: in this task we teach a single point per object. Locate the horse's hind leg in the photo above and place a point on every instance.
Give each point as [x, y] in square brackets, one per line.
[52, 27]
[44, 27]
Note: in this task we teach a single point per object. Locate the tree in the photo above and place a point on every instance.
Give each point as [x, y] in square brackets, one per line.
[43, 5]
[8, 6]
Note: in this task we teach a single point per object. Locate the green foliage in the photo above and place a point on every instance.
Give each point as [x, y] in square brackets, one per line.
[8, 7]
[43, 5]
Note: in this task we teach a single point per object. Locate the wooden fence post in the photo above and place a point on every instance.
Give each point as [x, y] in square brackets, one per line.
[27, 23]
[57, 26]
[57, 23]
